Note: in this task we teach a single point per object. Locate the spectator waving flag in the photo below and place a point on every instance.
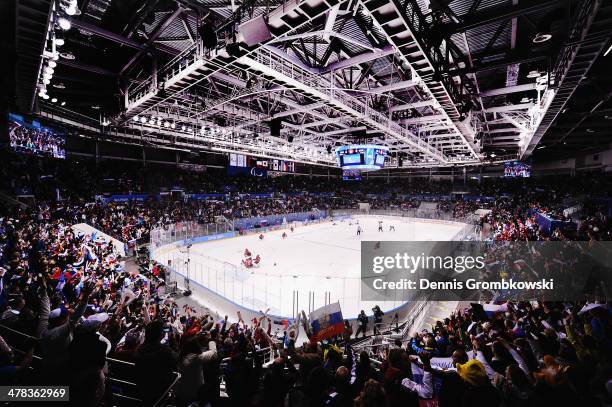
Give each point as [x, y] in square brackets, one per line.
[326, 322]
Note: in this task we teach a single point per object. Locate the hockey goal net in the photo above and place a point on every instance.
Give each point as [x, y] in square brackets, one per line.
[364, 208]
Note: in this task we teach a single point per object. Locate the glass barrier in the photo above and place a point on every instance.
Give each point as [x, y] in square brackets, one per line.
[279, 291]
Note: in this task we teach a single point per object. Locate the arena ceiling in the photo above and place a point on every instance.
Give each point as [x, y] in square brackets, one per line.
[441, 82]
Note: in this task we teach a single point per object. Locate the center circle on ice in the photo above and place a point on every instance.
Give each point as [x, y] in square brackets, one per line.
[309, 267]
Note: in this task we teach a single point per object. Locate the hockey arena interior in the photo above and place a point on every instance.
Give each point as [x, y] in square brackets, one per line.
[189, 191]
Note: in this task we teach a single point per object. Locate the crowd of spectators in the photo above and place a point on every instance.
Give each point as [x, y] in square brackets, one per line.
[79, 303]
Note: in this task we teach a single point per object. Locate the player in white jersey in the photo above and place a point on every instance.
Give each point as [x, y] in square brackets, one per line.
[358, 230]
[380, 226]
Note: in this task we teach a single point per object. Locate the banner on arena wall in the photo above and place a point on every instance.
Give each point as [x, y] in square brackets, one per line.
[126, 197]
[486, 271]
[326, 322]
[233, 171]
[88, 230]
[207, 196]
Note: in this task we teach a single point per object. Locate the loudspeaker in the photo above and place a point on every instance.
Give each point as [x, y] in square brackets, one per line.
[255, 31]
[233, 49]
[290, 139]
[208, 35]
[275, 127]
[400, 162]
[359, 134]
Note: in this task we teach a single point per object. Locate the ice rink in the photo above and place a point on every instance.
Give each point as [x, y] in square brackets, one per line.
[313, 265]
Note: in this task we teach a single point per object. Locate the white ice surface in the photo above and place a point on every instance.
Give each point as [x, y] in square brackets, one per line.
[315, 264]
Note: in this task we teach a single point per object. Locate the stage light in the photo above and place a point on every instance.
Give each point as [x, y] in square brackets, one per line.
[541, 37]
[173, 125]
[143, 120]
[63, 104]
[45, 96]
[52, 64]
[46, 81]
[71, 10]
[183, 128]
[136, 118]
[54, 100]
[59, 42]
[166, 124]
[64, 23]
[533, 74]
[49, 70]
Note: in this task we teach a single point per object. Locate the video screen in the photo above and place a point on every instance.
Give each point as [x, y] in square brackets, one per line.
[351, 175]
[517, 169]
[33, 138]
[352, 159]
[362, 157]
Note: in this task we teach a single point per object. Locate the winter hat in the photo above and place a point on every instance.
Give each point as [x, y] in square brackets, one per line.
[472, 372]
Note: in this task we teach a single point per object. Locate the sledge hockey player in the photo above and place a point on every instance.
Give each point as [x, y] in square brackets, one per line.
[284, 236]
[358, 230]
[380, 227]
[257, 259]
[247, 253]
[391, 228]
[261, 236]
[291, 229]
[248, 262]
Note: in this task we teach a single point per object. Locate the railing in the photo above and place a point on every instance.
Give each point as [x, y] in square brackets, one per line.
[118, 389]
[181, 231]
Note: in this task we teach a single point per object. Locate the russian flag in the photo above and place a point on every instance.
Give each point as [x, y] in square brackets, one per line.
[326, 322]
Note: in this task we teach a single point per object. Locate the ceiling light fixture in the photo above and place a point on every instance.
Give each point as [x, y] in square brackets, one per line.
[59, 42]
[64, 23]
[608, 51]
[541, 37]
[533, 74]
[52, 64]
[63, 104]
[54, 100]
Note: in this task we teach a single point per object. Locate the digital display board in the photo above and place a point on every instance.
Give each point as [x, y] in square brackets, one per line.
[517, 169]
[351, 159]
[33, 138]
[351, 175]
[361, 157]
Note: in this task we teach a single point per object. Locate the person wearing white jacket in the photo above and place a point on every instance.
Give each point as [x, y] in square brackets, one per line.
[190, 366]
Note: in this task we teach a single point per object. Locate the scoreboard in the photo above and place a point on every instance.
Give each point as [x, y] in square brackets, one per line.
[362, 157]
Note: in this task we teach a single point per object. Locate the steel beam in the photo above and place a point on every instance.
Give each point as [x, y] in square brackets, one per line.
[508, 108]
[413, 105]
[496, 13]
[508, 90]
